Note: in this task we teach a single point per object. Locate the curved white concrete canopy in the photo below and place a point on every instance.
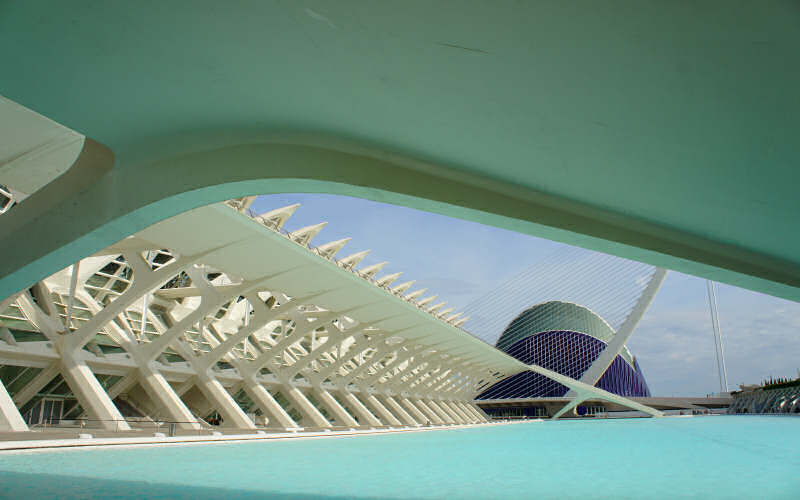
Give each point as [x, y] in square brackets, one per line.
[662, 132]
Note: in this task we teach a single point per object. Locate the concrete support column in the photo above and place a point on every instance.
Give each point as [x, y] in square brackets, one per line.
[91, 395]
[384, 414]
[478, 412]
[467, 411]
[567, 407]
[33, 387]
[449, 411]
[366, 417]
[220, 398]
[470, 411]
[304, 406]
[432, 415]
[399, 411]
[342, 417]
[446, 418]
[468, 414]
[414, 410]
[455, 409]
[161, 392]
[10, 418]
[264, 400]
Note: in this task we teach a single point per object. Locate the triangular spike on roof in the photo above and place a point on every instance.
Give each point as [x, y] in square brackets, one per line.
[461, 321]
[278, 217]
[354, 259]
[414, 295]
[242, 204]
[402, 287]
[446, 311]
[247, 201]
[370, 271]
[304, 235]
[435, 307]
[455, 316]
[328, 250]
[427, 300]
[388, 279]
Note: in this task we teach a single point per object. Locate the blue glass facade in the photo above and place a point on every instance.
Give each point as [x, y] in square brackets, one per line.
[568, 353]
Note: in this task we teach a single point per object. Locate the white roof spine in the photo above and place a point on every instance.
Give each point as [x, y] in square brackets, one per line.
[388, 279]
[328, 250]
[278, 217]
[414, 295]
[304, 235]
[354, 259]
[461, 321]
[370, 271]
[455, 316]
[446, 311]
[403, 287]
[427, 300]
[435, 307]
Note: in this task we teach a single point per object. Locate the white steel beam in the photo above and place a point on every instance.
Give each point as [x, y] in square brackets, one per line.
[621, 337]
[264, 400]
[366, 417]
[10, 418]
[342, 416]
[398, 410]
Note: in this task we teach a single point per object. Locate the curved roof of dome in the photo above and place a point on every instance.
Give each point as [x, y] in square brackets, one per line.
[557, 315]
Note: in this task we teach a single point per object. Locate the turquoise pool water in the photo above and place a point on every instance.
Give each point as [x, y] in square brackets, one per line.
[703, 457]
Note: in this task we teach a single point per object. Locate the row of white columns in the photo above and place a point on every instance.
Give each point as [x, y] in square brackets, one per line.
[372, 408]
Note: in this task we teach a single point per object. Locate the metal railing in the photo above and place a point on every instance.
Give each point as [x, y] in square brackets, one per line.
[170, 427]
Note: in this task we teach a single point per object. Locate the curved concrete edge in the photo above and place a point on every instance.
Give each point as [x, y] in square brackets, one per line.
[80, 213]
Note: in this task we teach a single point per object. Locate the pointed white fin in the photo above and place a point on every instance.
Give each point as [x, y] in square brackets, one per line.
[388, 279]
[304, 235]
[445, 311]
[454, 317]
[242, 204]
[437, 306]
[353, 260]
[247, 202]
[427, 300]
[402, 287]
[278, 217]
[328, 250]
[461, 321]
[414, 295]
[370, 271]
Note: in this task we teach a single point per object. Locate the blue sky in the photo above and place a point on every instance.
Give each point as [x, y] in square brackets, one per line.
[460, 260]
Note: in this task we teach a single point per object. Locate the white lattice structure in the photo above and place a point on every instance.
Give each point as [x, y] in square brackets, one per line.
[220, 311]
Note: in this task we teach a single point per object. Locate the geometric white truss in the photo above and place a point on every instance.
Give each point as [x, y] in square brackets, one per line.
[260, 326]
[212, 302]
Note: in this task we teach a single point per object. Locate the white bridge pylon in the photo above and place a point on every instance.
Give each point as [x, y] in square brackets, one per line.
[218, 310]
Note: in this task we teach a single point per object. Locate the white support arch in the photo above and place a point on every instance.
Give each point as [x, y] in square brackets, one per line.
[623, 334]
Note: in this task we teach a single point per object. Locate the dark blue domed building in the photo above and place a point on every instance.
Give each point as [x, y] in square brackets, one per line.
[566, 338]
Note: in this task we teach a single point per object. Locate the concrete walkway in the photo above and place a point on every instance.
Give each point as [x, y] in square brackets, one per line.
[87, 440]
